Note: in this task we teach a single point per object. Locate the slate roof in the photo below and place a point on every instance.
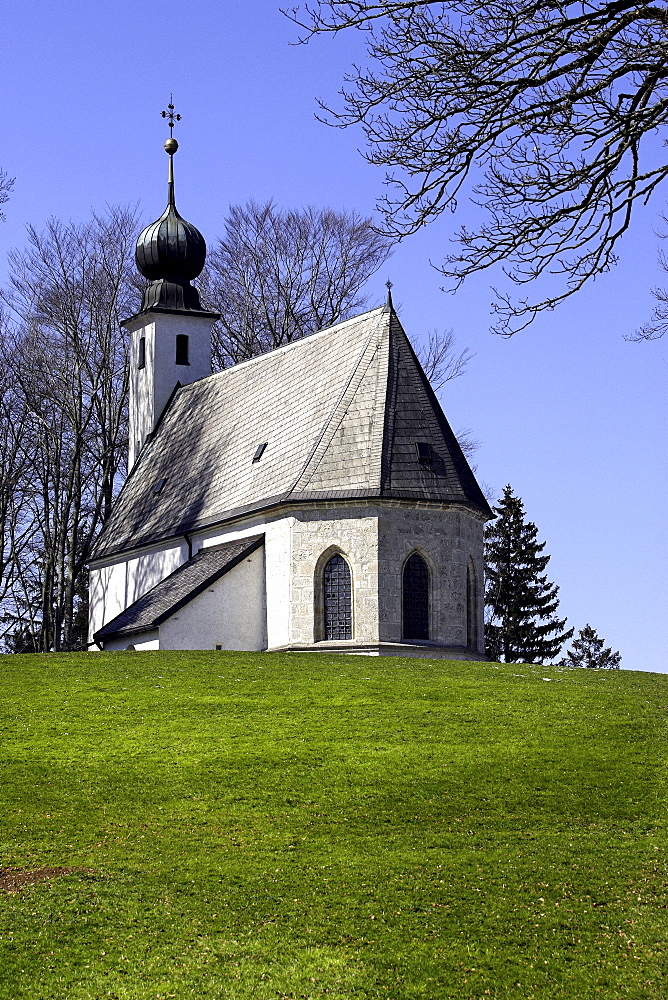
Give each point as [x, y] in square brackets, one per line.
[176, 590]
[341, 412]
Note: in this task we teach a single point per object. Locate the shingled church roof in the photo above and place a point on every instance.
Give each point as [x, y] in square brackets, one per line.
[341, 413]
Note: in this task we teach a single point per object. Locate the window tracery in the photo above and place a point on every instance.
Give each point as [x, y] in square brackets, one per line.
[337, 591]
[415, 598]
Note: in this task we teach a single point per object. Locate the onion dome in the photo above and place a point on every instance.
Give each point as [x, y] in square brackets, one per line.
[170, 253]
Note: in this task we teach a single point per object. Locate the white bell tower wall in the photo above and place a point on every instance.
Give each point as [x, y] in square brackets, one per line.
[165, 349]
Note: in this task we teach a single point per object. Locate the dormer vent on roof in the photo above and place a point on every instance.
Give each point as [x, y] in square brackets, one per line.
[170, 253]
[424, 451]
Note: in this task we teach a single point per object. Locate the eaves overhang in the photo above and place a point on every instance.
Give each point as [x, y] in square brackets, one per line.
[278, 504]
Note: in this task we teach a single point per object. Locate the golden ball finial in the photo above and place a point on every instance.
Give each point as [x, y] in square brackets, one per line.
[171, 146]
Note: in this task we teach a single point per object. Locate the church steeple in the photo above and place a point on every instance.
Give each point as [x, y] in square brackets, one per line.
[171, 251]
[171, 333]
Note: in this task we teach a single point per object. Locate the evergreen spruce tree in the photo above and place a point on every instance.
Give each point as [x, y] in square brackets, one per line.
[588, 651]
[521, 624]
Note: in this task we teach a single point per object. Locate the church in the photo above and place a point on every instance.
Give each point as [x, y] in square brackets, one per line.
[312, 498]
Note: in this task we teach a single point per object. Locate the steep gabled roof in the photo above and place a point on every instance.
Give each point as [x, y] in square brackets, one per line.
[178, 589]
[341, 413]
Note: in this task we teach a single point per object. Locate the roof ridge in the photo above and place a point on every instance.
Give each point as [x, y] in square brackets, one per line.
[285, 347]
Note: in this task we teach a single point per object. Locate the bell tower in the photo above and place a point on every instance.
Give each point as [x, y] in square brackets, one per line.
[170, 337]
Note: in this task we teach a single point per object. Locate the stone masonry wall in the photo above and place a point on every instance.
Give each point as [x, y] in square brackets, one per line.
[376, 541]
[315, 535]
[446, 540]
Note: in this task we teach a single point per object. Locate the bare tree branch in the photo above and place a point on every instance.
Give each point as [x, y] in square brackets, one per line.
[6, 185]
[543, 113]
[657, 324]
[439, 362]
[468, 444]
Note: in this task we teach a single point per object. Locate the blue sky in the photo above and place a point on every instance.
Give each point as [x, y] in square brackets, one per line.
[568, 412]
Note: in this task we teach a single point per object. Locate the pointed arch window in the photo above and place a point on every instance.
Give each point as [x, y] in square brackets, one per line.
[471, 607]
[416, 598]
[337, 592]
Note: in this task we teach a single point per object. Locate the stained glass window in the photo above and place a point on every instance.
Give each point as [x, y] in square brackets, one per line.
[338, 599]
[416, 598]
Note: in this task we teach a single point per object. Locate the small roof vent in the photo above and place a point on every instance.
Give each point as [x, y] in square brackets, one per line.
[158, 486]
[424, 451]
[259, 451]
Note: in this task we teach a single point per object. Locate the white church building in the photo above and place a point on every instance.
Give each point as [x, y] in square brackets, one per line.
[312, 498]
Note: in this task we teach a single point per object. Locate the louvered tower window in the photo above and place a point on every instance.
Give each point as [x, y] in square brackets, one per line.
[416, 598]
[182, 349]
[338, 599]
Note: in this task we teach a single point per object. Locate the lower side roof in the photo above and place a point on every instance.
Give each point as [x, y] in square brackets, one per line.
[179, 588]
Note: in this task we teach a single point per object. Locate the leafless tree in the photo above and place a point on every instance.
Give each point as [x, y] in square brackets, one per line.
[545, 113]
[16, 528]
[439, 360]
[67, 365]
[657, 325]
[6, 185]
[279, 275]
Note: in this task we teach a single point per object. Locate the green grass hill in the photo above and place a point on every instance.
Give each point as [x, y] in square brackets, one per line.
[256, 826]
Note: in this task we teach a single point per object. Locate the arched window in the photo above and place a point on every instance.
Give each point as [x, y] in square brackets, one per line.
[471, 607]
[337, 592]
[416, 598]
[182, 349]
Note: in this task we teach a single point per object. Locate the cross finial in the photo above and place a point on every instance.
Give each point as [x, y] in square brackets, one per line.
[388, 285]
[171, 117]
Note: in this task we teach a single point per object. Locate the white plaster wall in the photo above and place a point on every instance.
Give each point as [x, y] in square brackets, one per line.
[446, 539]
[152, 385]
[140, 643]
[277, 547]
[114, 587]
[141, 405]
[353, 531]
[231, 613]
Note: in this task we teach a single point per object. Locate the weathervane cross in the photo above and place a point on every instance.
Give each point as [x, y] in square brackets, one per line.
[172, 118]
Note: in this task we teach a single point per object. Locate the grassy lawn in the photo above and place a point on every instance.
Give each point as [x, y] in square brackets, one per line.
[261, 826]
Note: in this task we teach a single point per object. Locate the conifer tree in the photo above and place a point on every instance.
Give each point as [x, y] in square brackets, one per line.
[521, 624]
[587, 651]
